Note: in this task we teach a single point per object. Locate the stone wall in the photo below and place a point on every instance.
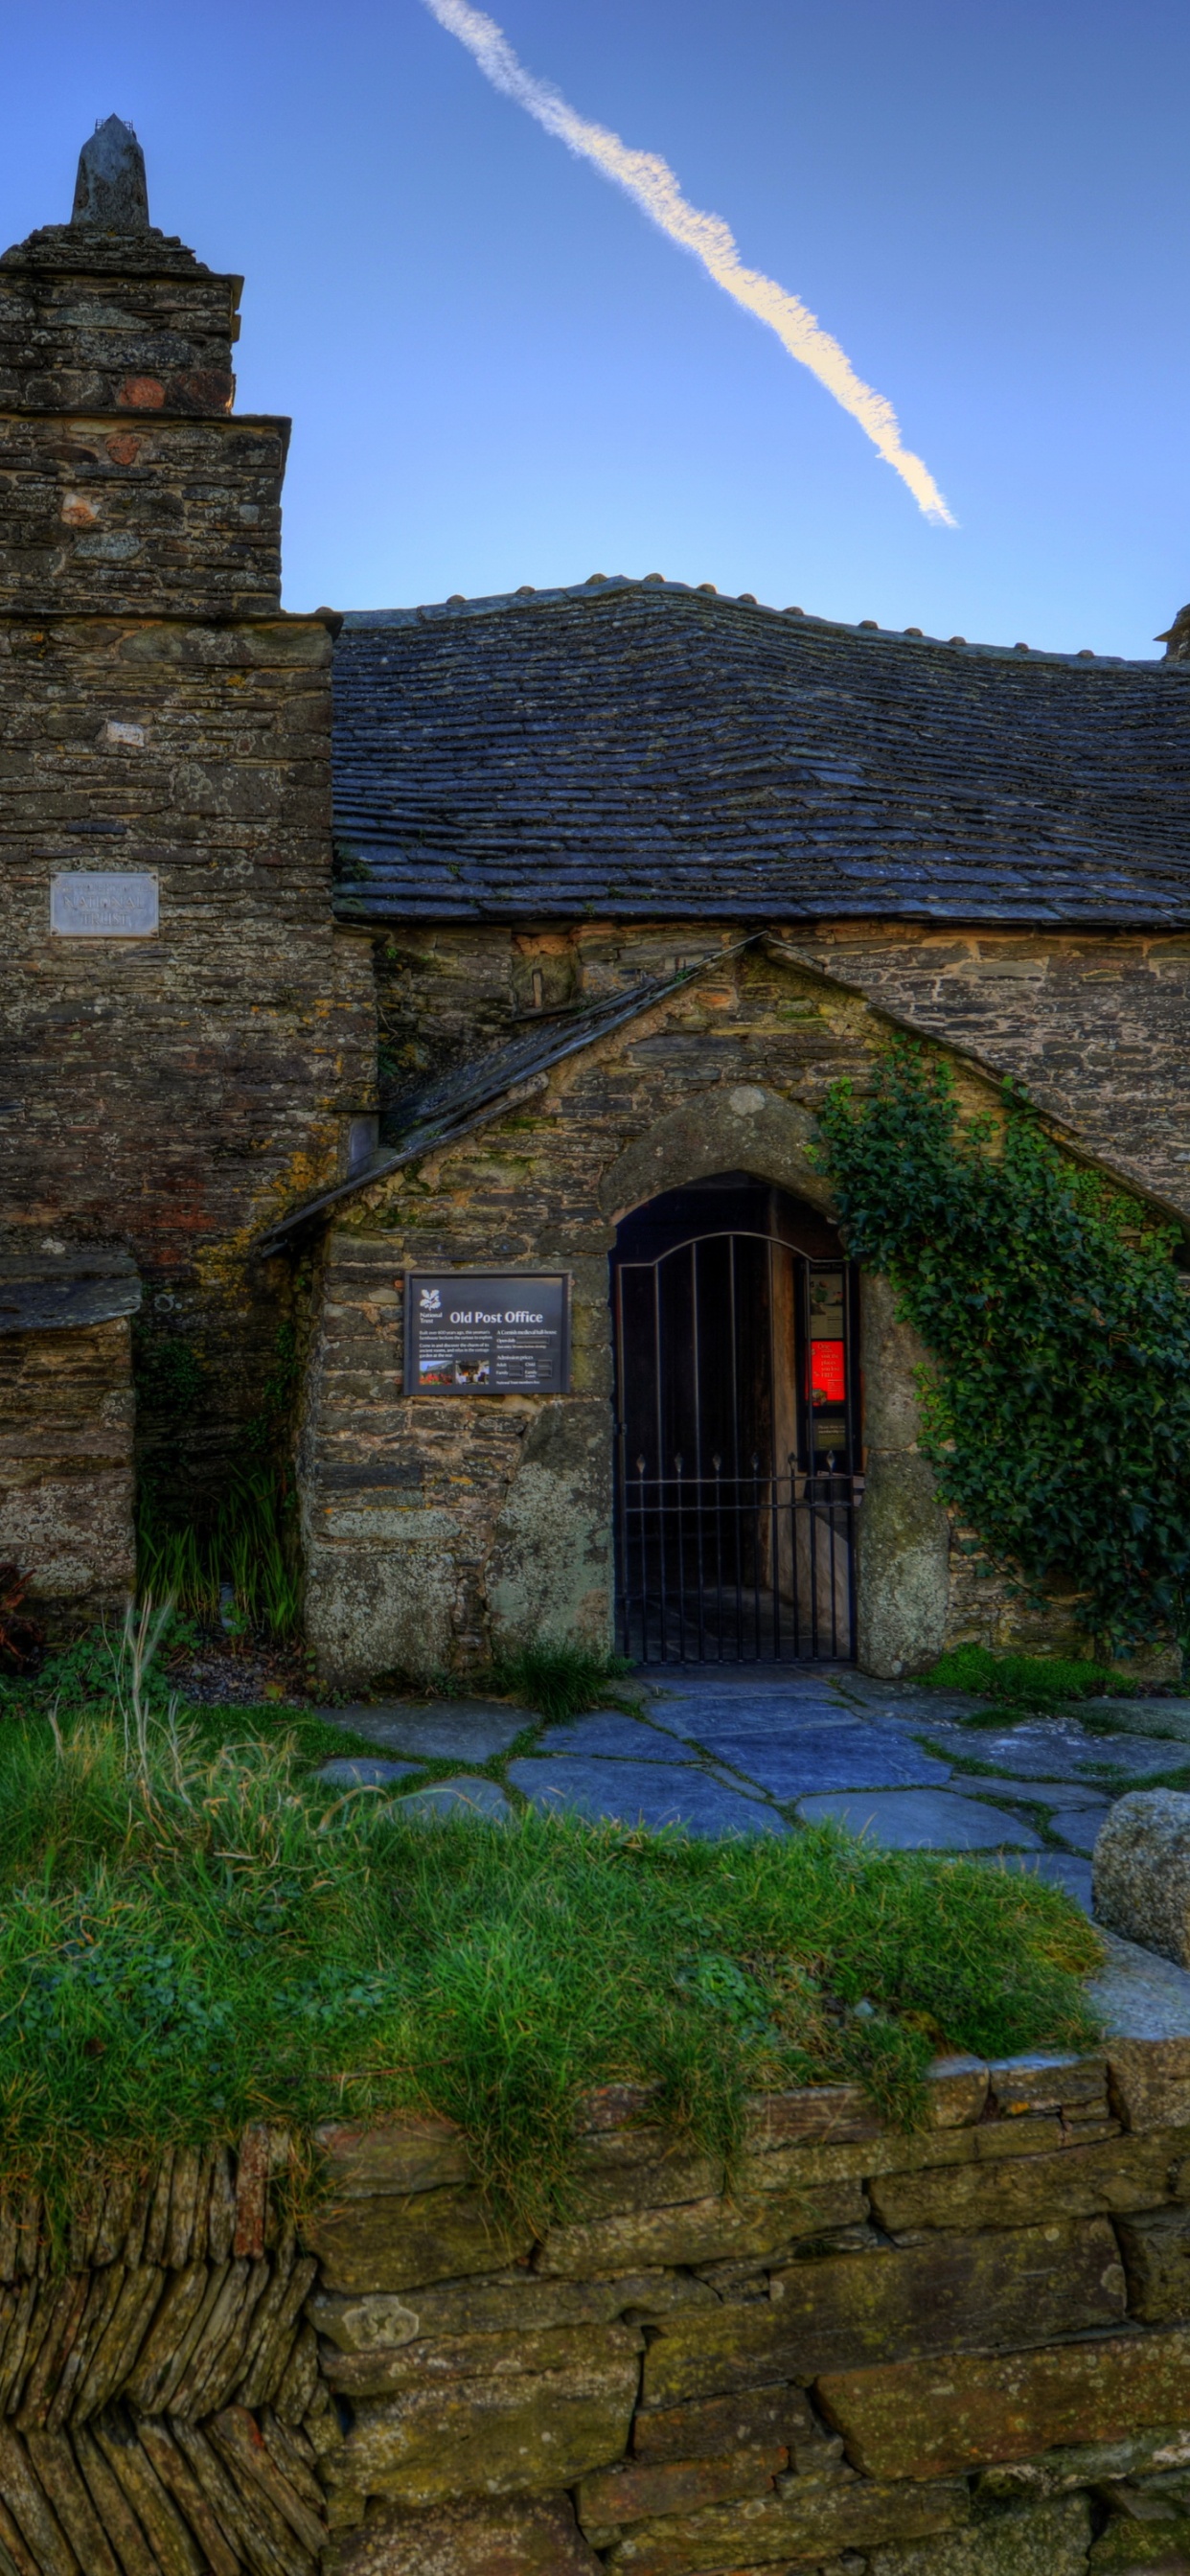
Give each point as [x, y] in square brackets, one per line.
[67, 1418]
[963, 2352]
[434, 1528]
[162, 716]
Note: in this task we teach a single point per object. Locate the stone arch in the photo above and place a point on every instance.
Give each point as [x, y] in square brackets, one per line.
[736, 1128]
[902, 1532]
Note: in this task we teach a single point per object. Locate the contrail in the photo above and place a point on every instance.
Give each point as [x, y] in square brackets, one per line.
[651, 182]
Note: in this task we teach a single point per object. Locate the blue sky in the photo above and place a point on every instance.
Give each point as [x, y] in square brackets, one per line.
[499, 372]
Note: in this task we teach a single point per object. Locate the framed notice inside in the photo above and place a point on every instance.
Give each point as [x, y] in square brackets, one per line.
[482, 1332]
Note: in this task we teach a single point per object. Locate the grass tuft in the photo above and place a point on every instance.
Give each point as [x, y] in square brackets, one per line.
[561, 1680]
[1038, 1682]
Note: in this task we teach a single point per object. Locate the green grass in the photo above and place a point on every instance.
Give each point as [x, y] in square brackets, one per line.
[562, 1680]
[194, 1933]
[1038, 1682]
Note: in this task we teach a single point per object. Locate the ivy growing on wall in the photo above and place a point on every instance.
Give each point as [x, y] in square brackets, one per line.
[1056, 1406]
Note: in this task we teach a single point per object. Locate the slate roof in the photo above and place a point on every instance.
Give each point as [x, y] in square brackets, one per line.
[466, 1098]
[647, 751]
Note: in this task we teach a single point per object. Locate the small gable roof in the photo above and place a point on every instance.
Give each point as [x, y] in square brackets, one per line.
[642, 750]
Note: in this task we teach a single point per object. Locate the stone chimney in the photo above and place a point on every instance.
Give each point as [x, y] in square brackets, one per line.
[110, 191]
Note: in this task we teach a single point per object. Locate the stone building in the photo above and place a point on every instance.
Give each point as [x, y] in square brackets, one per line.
[625, 875]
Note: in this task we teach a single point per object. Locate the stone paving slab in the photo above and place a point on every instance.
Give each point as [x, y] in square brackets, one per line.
[815, 1758]
[1055, 1748]
[450, 1730]
[642, 1793]
[1155, 1717]
[921, 1820]
[461, 1797]
[1079, 1827]
[622, 1739]
[358, 1771]
[1068, 1794]
[758, 1719]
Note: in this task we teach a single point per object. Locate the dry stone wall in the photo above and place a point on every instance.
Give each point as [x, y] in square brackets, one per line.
[67, 1419]
[964, 2352]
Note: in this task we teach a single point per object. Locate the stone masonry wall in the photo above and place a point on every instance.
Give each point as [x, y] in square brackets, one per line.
[159, 714]
[963, 2352]
[67, 1417]
[435, 1526]
[170, 1093]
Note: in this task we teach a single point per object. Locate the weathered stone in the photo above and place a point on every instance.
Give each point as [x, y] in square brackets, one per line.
[1113, 2174]
[57, 2473]
[294, 2389]
[1142, 1871]
[372, 2322]
[395, 2240]
[1044, 2540]
[236, 2434]
[765, 2418]
[31, 2510]
[550, 1573]
[274, 2325]
[1156, 2251]
[830, 2314]
[902, 1534]
[166, 2348]
[179, 2481]
[701, 2231]
[112, 2506]
[611, 2497]
[1131, 2548]
[493, 2303]
[424, 2364]
[1019, 2085]
[528, 2537]
[172, 2543]
[494, 2435]
[120, 2342]
[838, 2112]
[1085, 2464]
[110, 189]
[776, 2529]
[956, 2292]
[922, 2419]
[252, 2187]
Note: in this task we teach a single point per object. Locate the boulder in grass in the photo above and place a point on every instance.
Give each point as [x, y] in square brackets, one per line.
[1141, 1871]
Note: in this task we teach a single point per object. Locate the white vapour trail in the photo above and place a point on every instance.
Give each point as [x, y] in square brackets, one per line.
[649, 179]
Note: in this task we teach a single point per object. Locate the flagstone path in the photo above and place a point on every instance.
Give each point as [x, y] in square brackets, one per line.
[758, 1749]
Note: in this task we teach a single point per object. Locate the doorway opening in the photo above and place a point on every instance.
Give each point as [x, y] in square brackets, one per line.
[735, 1316]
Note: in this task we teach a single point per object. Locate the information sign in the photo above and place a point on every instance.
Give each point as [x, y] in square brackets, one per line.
[102, 903]
[473, 1332]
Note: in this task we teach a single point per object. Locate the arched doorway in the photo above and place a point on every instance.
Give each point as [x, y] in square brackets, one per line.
[735, 1315]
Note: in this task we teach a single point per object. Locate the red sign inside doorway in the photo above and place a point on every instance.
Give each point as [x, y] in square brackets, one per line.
[828, 1376]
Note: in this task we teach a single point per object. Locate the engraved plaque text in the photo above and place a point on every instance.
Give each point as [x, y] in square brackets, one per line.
[100, 904]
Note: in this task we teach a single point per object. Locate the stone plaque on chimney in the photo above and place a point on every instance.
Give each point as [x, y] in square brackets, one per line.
[97, 903]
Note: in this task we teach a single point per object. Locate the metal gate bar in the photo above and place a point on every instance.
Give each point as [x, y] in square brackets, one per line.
[722, 1558]
[698, 1557]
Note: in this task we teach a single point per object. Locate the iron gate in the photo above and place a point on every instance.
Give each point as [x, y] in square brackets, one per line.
[736, 1432]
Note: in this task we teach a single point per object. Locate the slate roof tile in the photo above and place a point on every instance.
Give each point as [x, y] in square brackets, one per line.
[647, 751]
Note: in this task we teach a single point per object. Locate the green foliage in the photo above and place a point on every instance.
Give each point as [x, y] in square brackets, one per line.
[248, 1544]
[193, 1935]
[560, 1680]
[1024, 1681]
[1057, 1410]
